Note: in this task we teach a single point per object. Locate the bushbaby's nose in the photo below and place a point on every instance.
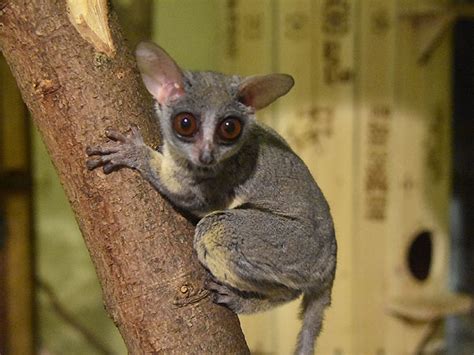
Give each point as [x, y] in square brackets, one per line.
[206, 157]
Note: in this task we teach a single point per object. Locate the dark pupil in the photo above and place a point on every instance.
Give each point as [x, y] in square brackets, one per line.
[229, 127]
[186, 123]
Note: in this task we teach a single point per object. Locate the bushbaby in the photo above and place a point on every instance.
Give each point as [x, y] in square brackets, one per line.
[265, 232]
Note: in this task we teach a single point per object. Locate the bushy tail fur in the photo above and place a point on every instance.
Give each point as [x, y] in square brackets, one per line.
[312, 313]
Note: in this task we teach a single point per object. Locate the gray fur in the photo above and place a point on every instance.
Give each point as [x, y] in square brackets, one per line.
[265, 234]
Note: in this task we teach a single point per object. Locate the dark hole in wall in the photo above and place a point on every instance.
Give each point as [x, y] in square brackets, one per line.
[420, 255]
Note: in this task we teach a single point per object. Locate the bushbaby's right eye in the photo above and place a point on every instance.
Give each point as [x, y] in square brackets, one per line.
[229, 129]
[185, 124]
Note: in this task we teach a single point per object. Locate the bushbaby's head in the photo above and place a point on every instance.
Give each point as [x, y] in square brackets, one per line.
[205, 117]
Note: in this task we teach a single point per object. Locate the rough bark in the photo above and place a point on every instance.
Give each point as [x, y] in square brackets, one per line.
[142, 249]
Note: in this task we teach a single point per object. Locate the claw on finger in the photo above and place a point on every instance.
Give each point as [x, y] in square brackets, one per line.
[115, 135]
[93, 163]
[90, 151]
[108, 167]
[134, 129]
[223, 300]
[135, 134]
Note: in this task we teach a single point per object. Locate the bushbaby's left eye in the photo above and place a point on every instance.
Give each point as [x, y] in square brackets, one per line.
[229, 129]
[185, 124]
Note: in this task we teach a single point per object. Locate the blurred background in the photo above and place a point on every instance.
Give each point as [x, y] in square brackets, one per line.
[383, 114]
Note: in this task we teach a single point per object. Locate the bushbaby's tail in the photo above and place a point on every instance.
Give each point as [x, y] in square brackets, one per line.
[312, 312]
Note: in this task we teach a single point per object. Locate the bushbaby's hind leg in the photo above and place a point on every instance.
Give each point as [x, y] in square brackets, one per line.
[246, 258]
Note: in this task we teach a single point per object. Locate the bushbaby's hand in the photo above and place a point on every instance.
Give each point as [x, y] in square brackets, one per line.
[124, 150]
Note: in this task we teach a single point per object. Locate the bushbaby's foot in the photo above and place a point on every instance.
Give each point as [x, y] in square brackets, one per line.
[123, 150]
[223, 295]
[237, 301]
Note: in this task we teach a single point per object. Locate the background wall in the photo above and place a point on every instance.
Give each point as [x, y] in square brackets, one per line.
[370, 114]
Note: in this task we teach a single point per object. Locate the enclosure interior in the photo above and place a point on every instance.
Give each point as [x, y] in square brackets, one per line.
[382, 113]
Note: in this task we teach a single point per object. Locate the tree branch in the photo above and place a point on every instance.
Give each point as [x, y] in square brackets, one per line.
[142, 249]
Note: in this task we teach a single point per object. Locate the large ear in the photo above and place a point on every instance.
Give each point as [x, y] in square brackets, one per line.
[160, 73]
[261, 90]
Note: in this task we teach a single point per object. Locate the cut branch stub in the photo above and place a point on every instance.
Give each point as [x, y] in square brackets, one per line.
[90, 19]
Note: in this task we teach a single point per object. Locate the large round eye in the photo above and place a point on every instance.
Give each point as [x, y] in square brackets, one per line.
[229, 129]
[185, 124]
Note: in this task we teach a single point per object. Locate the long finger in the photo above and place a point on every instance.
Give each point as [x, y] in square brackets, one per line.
[102, 150]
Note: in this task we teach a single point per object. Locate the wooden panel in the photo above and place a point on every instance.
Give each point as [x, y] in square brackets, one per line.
[20, 297]
[246, 36]
[374, 112]
[331, 158]
[17, 255]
